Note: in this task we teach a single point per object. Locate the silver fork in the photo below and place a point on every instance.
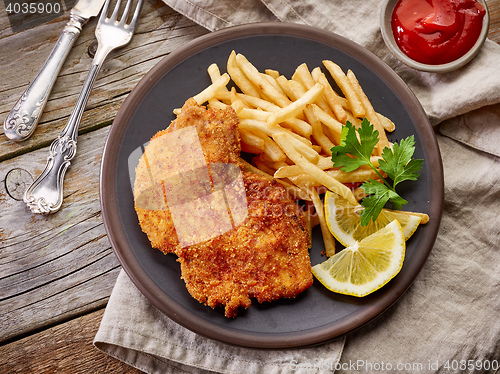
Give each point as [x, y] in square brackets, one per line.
[45, 195]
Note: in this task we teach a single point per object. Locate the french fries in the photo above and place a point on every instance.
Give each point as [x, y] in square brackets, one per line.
[346, 87]
[268, 90]
[315, 172]
[331, 97]
[328, 240]
[291, 125]
[239, 78]
[296, 106]
[211, 90]
[370, 113]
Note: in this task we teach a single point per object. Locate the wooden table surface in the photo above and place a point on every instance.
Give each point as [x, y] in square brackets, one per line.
[57, 271]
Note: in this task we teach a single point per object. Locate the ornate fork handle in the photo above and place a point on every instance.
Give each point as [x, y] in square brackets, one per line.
[23, 118]
[45, 195]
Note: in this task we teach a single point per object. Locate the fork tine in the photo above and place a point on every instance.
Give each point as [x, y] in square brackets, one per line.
[114, 16]
[136, 15]
[125, 13]
[104, 12]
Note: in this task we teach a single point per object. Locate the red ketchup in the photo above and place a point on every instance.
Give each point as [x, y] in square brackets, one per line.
[437, 31]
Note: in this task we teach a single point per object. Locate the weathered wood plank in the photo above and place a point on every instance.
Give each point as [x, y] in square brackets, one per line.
[57, 266]
[65, 348]
[494, 9]
[159, 32]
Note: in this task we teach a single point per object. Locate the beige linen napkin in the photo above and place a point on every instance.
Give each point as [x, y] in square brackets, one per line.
[443, 96]
[451, 310]
[448, 319]
[135, 332]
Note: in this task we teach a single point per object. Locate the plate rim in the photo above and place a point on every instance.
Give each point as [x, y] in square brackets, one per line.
[116, 235]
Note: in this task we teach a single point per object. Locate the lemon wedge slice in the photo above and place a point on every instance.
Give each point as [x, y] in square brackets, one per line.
[344, 221]
[365, 266]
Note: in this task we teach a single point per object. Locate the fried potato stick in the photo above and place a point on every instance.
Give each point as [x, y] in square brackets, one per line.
[318, 174]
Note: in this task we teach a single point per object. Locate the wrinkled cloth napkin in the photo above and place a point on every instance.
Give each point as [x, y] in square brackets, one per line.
[450, 314]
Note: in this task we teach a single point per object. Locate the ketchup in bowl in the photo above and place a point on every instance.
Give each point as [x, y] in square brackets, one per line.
[436, 32]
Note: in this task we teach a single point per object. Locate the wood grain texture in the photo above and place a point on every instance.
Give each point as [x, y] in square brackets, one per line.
[66, 348]
[494, 10]
[57, 266]
[159, 32]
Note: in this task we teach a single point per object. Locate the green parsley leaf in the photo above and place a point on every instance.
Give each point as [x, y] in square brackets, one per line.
[397, 162]
[353, 153]
[355, 150]
[379, 195]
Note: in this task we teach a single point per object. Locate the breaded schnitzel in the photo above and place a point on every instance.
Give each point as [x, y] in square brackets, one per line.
[169, 153]
[265, 257]
[237, 235]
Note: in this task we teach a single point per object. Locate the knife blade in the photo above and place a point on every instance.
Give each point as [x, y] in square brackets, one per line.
[22, 120]
[87, 8]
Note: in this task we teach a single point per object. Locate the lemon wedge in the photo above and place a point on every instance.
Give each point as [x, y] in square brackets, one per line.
[344, 221]
[365, 266]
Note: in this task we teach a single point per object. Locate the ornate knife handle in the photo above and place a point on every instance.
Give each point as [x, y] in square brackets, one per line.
[45, 195]
[23, 118]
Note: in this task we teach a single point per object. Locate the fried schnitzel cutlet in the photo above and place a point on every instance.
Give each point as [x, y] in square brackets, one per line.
[218, 141]
[261, 252]
[265, 257]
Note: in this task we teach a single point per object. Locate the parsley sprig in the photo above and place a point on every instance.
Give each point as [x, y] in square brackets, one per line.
[397, 163]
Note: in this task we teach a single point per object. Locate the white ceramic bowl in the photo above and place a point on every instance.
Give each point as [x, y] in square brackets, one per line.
[385, 28]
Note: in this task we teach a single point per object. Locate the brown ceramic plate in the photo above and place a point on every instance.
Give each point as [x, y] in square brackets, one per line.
[317, 315]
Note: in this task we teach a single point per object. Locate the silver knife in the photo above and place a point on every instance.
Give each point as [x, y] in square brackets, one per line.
[23, 118]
